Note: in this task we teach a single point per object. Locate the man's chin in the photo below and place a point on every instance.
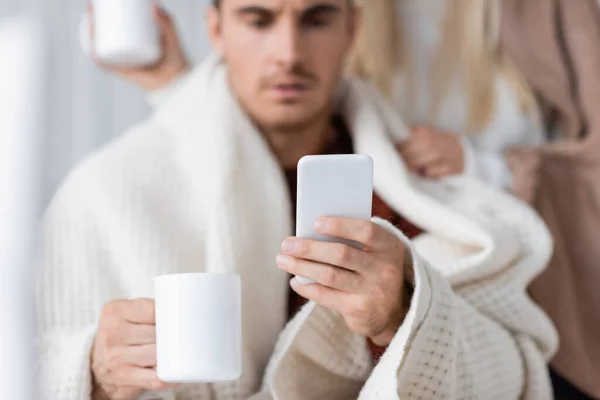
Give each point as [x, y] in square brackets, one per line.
[290, 120]
[291, 125]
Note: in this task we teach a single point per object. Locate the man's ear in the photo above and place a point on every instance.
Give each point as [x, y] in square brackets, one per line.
[214, 26]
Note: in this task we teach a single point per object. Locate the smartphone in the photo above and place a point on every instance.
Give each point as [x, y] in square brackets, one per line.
[332, 186]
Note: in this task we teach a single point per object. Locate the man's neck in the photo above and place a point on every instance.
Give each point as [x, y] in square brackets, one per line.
[290, 146]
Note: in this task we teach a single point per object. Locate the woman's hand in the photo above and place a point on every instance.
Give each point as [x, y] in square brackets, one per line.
[172, 64]
[524, 164]
[433, 153]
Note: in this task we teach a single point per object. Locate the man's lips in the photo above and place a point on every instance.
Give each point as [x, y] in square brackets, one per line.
[290, 89]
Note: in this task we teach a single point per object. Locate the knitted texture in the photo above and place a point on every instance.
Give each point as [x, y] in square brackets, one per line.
[195, 188]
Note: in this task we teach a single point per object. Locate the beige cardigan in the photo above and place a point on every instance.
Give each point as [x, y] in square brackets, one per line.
[195, 188]
[556, 44]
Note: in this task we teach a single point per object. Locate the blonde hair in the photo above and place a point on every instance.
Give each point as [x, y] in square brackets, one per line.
[470, 44]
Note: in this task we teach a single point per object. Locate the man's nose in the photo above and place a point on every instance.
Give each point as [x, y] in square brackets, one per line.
[288, 47]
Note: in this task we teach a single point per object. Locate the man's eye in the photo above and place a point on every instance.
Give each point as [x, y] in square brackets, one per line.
[260, 23]
[316, 21]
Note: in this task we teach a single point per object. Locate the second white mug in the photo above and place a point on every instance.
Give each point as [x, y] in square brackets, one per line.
[198, 327]
[125, 33]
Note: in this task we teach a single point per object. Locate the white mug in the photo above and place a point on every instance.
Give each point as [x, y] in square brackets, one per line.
[125, 33]
[198, 327]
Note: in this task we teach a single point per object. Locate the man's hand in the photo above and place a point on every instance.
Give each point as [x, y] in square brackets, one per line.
[433, 153]
[124, 351]
[366, 286]
[172, 64]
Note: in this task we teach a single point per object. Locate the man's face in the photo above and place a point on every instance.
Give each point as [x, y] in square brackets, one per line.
[285, 57]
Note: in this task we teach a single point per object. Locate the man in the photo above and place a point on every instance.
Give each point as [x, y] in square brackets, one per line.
[205, 185]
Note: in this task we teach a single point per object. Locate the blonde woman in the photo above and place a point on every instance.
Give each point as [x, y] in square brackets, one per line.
[440, 62]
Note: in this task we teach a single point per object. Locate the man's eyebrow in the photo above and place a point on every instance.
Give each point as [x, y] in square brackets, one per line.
[253, 10]
[323, 8]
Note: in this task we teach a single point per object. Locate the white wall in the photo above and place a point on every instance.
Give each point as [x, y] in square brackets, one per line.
[87, 106]
[20, 131]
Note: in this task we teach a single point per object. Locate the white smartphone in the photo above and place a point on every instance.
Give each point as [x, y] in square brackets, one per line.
[332, 186]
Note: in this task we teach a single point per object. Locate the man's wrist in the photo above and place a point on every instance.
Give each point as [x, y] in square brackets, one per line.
[97, 392]
[384, 338]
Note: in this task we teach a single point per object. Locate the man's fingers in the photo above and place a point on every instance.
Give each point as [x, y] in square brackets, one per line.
[327, 297]
[336, 254]
[367, 233]
[139, 311]
[140, 356]
[144, 378]
[324, 274]
[137, 334]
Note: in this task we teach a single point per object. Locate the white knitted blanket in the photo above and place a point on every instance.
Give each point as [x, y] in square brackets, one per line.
[195, 188]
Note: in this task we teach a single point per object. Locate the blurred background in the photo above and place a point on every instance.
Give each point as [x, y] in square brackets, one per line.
[52, 93]
[88, 106]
